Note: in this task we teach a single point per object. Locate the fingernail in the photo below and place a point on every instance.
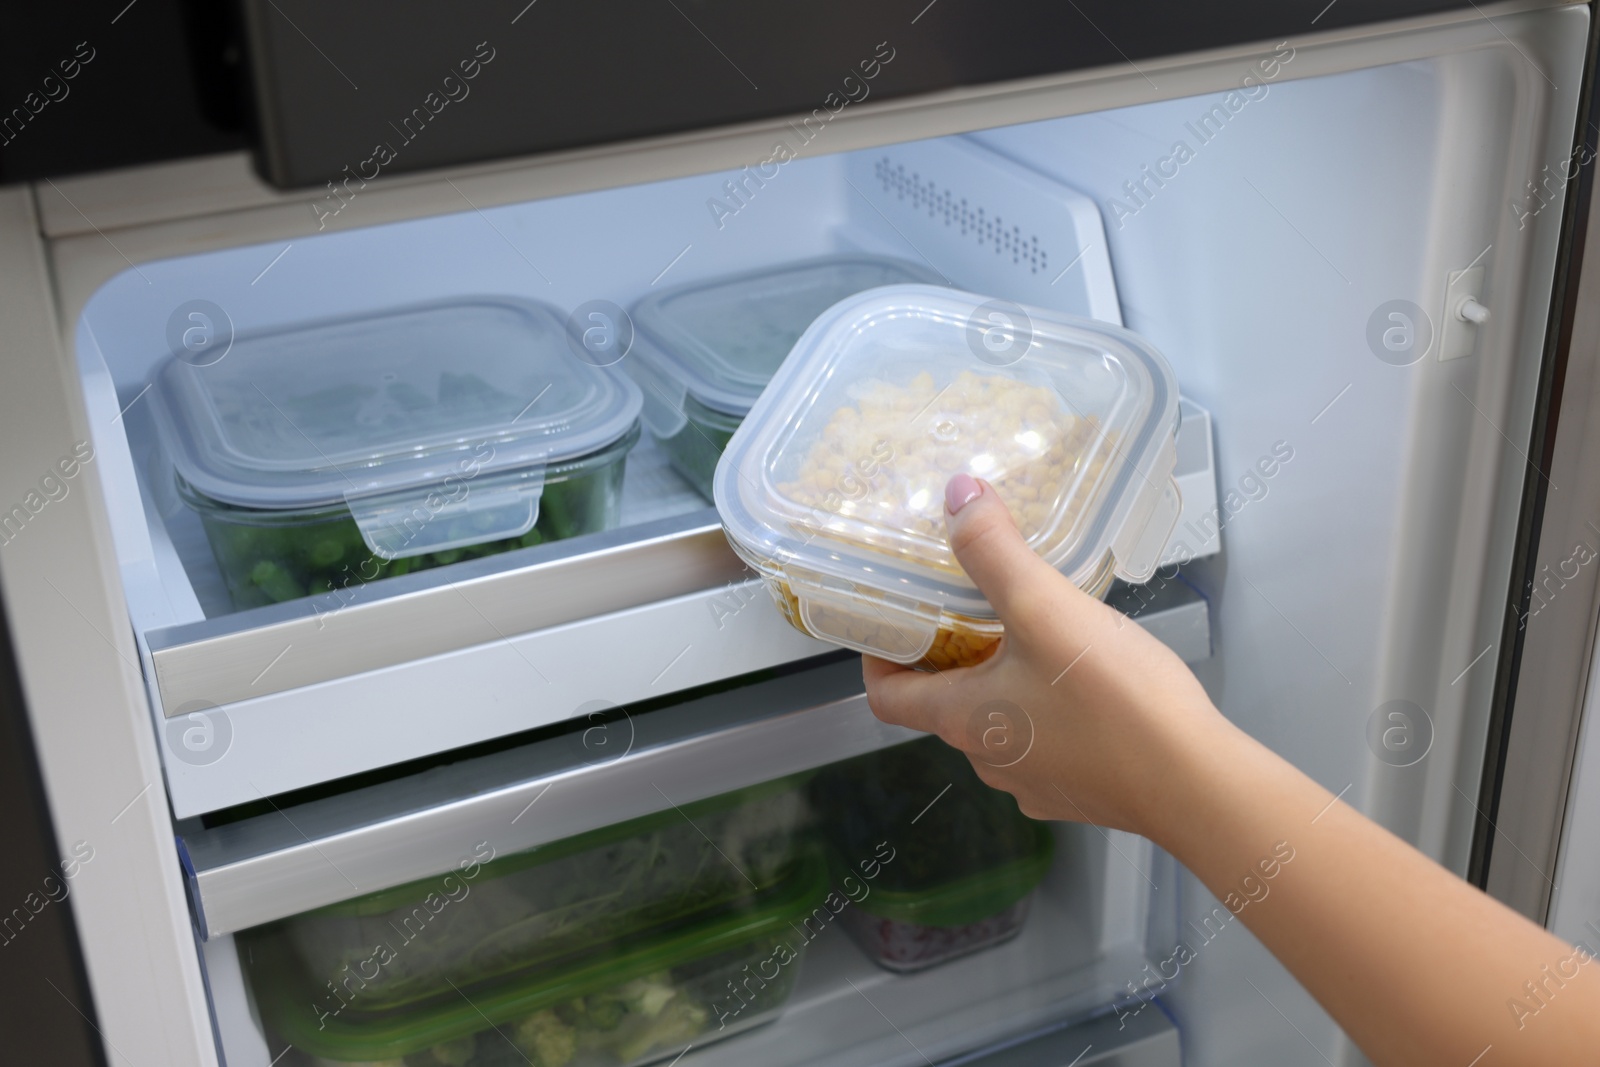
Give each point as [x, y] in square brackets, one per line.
[960, 491]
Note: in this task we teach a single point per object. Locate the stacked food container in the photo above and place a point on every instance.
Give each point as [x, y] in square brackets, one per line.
[962, 860]
[334, 453]
[706, 350]
[608, 949]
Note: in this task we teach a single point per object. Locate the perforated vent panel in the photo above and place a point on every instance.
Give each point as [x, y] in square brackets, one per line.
[920, 194]
[987, 223]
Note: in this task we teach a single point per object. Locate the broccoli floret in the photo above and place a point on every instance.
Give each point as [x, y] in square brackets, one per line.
[276, 582]
[326, 552]
[604, 1011]
[570, 1012]
[545, 1039]
[457, 1053]
[677, 1023]
[648, 995]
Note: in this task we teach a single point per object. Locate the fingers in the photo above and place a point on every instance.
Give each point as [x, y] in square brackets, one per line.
[991, 550]
[901, 696]
[1018, 787]
[876, 673]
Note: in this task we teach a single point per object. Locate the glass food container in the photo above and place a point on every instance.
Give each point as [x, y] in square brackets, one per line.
[609, 949]
[965, 859]
[706, 350]
[333, 453]
[833, 487]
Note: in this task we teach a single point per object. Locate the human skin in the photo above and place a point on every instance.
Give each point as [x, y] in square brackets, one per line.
[1417, 966]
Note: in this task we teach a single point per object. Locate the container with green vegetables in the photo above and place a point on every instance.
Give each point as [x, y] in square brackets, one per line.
[966, 860]
[337, 452]
[610, 949]
[705, 350]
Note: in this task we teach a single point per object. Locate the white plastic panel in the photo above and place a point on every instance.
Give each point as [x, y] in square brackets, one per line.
[1198, 531]
[990, 225]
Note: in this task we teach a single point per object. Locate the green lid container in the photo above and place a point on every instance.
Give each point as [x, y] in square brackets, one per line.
[552, 906]
[623, 1002]
[707, 349]
[972, 898]
[964, 860]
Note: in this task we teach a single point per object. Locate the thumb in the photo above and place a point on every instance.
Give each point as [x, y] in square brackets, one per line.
[990, 548]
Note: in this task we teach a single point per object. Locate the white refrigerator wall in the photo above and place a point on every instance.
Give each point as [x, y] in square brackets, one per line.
[1370, 568]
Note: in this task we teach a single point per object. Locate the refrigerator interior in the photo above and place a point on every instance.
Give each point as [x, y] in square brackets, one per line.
[1365, 570]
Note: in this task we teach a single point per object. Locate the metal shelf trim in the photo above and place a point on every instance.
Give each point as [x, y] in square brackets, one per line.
[285, 863]
[219, 661]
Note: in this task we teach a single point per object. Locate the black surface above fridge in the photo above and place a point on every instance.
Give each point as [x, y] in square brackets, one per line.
[322, 92]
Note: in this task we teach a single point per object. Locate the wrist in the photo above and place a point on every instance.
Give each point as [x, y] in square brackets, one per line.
[1194, 773]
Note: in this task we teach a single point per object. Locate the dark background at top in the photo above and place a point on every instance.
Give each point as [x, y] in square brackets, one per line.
[138, 101]
[170, 76]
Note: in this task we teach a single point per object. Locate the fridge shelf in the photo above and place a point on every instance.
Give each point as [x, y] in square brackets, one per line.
[287, 696]
[221, 661]
[611, 767]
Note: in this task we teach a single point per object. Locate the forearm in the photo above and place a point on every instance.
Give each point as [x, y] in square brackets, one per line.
[1416, 965]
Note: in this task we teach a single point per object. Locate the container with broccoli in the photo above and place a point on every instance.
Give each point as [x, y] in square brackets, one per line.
[609, 949]
[709, 348]
[335, 453]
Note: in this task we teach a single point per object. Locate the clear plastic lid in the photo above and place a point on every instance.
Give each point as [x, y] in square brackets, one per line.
[834, 483]
[386, 411]
[720, 341]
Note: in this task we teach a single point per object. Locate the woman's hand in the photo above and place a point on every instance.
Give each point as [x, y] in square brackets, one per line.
[1080, 714]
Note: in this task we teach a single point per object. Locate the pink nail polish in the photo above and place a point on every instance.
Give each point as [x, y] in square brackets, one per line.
[960, 491]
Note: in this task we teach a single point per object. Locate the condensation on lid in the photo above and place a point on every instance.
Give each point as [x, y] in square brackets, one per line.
[722, 340]
[320, 412]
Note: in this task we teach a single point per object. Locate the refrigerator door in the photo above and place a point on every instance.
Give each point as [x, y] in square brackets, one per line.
[1575, 894]
[1537, 844]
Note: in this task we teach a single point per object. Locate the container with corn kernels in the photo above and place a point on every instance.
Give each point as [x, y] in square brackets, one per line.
[833, 487]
